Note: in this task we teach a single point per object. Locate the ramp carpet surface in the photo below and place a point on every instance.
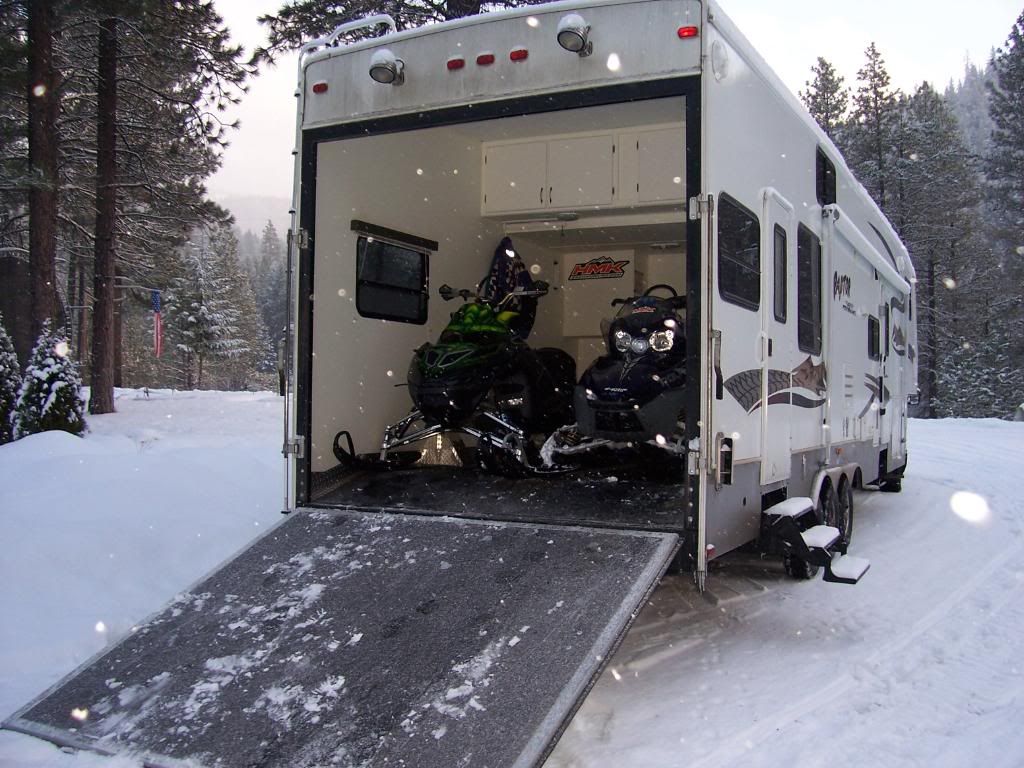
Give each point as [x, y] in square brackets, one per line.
[358, 639]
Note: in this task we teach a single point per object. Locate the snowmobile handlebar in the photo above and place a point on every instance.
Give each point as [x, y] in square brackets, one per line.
[448, 293]
[676, 302]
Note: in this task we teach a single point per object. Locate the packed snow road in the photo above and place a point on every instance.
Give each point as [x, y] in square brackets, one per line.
[918, 665]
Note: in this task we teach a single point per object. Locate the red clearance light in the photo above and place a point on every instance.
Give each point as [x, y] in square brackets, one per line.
[519, 54]
[320, 87]
[456, 62]
[485, 59]
[685, 32]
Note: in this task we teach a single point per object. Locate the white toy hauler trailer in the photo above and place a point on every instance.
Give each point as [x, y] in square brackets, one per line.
[437, 615]
[665, 146]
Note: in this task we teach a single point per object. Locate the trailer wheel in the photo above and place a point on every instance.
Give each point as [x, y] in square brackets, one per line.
[798, 568]
[844, 513]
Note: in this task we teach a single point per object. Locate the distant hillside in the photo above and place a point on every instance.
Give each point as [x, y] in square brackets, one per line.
[251, 212]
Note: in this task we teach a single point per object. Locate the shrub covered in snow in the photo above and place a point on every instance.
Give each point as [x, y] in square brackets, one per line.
[49, 397]
[10, 383]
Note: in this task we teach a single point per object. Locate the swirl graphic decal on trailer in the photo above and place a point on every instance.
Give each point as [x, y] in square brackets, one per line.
[803, 387]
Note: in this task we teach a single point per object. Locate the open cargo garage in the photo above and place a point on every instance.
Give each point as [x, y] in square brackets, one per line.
[572, 188]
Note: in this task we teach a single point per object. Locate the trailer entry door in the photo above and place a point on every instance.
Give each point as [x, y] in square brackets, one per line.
[355, 638]
[777, 324]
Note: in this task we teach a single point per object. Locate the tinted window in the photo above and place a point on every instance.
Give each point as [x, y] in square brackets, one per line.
[825, 179]
[739, 254]
[780, 275]
[873, 338]
[808, 291]
[391, 281]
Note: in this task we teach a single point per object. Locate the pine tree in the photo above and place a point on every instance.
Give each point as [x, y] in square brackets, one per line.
[970, 102]
[302, 20]
[826, 98]
[1006, 162]
[212, 319]
[10, 383]
[270, 282]
[50, 393]
[935, 198]
[1005, 186]
[869, 140]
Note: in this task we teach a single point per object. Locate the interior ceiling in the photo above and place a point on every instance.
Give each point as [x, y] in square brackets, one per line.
[605, 117]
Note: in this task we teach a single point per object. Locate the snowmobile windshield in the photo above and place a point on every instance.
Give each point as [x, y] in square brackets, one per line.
[477, 322]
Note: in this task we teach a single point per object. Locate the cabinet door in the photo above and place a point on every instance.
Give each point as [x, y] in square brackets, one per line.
[515, 177]
[581, 171]
[661, 170]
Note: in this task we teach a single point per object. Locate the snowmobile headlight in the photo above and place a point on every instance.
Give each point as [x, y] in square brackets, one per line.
[639, 345]
[661, 341]
[622, 340]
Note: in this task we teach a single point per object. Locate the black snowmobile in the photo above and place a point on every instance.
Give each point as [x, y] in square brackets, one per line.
[633, 396]
[481, 378]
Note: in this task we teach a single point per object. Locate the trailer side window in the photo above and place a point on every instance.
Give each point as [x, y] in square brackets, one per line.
[873, 345]
[781, 274]
[391, 281]
[825, 179]
[808, 291]
[739, 254]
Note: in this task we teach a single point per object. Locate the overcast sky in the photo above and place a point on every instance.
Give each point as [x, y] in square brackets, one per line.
[918, 39]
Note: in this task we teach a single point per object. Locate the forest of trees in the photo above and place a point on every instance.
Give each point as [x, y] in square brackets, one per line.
[112, 119]
[948, 170]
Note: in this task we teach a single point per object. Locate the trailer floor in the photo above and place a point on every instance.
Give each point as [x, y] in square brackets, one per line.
[623, 497]
[356, 639]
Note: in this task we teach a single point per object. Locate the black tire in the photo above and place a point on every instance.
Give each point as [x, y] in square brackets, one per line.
[891, 485]
[798, 568]
[844, 514]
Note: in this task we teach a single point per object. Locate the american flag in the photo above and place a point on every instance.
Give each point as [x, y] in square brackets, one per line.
[158, 325]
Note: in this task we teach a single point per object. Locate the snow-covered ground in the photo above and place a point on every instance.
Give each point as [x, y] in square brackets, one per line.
[918, 665]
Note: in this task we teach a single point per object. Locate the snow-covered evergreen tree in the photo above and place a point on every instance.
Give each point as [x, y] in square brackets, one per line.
[10, 383]
[970, 102]
[270, 284]
[1005, 183]
[50, 394]
[869, 139]
[826, 98]
[212, 318]
[1006, 162]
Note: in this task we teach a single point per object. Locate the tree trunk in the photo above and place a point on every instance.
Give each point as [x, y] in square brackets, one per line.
[43, 105]
[102, 378]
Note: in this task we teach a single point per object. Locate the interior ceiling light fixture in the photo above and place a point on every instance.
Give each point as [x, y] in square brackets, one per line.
[573, 34]
[386, 68]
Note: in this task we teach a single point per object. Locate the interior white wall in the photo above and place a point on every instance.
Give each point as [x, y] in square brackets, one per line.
[427, 186]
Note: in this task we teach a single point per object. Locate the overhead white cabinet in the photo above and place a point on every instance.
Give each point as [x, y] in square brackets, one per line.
[581, 171]
[661, 169]
[585, 171]
[515, 177]
[652, 166]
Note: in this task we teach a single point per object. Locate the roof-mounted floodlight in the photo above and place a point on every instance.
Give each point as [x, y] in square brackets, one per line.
[572, 35]
[386, 68]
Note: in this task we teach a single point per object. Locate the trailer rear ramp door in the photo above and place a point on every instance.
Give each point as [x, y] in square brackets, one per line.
[352, 638]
